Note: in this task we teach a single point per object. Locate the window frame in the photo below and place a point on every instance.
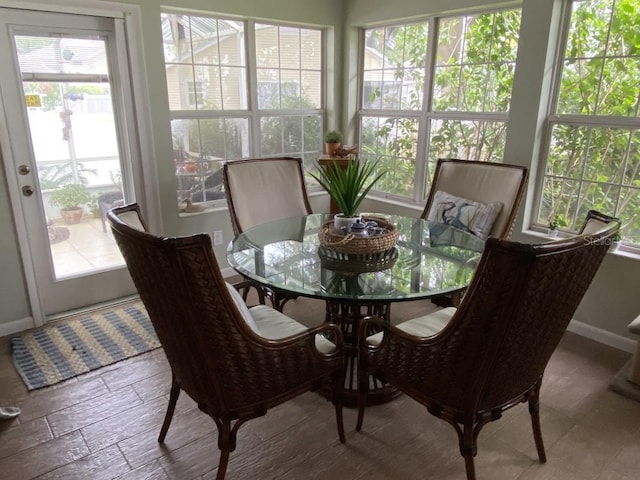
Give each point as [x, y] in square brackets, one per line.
[426, 115]
[554, 119]
[253, 114]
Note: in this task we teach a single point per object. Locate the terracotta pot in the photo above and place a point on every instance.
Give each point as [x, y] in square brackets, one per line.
[71, 215]
[330, 148]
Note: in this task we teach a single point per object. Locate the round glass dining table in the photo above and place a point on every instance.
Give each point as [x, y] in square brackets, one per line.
[286, 256]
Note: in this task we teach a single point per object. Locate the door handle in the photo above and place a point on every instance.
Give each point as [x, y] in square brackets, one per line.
[27, 190]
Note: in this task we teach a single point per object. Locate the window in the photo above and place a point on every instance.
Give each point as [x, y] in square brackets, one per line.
[196, 96]
[289, 83]
[593, 150]
[218, 114]
[420, 103]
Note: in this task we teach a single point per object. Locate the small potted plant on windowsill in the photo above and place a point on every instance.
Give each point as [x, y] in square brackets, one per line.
[616, 242]
[332, 142]
[347, 186]
[70, 199]
[555, 221]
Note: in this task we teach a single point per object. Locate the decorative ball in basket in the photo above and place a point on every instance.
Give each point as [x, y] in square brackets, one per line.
[378, 236]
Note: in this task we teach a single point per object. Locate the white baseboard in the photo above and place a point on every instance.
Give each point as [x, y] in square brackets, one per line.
[585, 330]
[16, 326]
[602, 336]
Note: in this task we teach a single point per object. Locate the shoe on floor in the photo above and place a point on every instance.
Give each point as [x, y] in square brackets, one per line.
[7, 413]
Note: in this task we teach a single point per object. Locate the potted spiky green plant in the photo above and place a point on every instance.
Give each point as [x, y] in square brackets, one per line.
[347, 186]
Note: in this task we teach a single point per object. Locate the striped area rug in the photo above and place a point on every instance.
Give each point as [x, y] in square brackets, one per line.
[51, 354]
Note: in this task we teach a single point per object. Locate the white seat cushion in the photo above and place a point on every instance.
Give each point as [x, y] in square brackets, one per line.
[424, 326]
[273, 325]
[242, 308]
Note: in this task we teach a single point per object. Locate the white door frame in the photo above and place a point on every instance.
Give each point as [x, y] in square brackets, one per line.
[130, 51]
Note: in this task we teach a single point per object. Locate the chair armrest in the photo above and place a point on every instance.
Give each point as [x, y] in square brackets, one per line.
[276, 367]
[402, 354]
[307, 340]
[395, 337]
[371, 325]
[245, 286]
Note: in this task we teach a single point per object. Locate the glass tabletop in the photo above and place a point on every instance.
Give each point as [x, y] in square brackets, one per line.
[428, 260]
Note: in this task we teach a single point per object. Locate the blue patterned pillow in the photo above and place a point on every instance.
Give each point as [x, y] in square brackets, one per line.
[465, 214]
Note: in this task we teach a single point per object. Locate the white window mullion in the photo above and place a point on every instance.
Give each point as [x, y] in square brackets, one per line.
[220, 67]
[254, 117]
[424, 127]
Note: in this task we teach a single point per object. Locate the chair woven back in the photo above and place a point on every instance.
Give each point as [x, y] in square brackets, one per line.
[210, 348]
[261, 190]
[510, 321]
[483, 182]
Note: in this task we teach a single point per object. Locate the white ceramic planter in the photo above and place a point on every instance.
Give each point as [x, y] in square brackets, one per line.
[342, 223]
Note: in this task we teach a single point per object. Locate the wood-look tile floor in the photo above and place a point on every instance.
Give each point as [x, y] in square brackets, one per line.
[104, 425]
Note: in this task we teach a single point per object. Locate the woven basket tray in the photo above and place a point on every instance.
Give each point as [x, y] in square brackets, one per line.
[350, 243]
[354, 263]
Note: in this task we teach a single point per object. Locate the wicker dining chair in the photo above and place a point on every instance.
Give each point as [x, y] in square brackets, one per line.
[497, 188]
[468, 365]
[261, 190]
[234, 362]
[595, 221]
[485, 182]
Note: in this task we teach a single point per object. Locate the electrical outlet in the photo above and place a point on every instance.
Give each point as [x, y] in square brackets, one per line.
[217, 237]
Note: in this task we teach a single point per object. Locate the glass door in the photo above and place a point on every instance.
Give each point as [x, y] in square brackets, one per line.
[65, 91]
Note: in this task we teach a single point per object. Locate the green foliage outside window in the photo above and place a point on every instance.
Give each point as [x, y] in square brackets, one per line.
[473, 75]
[594, 151]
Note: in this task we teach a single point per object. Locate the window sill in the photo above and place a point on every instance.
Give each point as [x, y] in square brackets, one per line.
[207, 210]
[622, 251]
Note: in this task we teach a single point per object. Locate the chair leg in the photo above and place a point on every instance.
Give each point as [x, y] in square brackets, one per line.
[340, 423]
[173, 399]
[336, 397]
[226, 443]
[468, 449]
[466, 442]
[222, 466]
[470, 467]
[363, 390]
[534, 411]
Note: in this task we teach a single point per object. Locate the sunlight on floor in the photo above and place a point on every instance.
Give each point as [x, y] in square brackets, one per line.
[85, 250]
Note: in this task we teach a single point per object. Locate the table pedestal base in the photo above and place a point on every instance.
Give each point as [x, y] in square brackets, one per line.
[348, 316]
